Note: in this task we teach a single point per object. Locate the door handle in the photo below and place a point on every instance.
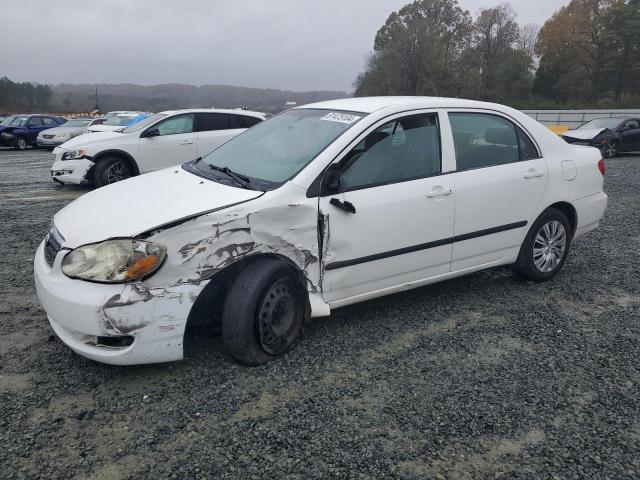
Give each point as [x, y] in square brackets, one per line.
[533, 173]
[439, 192]
[186, 142]
[346, 206]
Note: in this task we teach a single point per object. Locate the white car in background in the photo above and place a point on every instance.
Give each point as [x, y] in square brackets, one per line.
[159, 141]
[53, 137]
[118, 122]
[319, 207]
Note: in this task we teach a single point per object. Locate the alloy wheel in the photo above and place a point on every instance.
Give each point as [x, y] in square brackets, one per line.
[116, 172]
[549, 246]
[21, 143]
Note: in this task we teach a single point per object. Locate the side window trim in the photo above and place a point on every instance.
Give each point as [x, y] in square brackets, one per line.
[518, 128]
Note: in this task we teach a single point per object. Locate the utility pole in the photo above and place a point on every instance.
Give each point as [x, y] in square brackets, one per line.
[97, 107]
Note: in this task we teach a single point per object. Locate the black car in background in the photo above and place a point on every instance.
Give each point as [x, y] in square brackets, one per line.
[20, 131]
[611, 135]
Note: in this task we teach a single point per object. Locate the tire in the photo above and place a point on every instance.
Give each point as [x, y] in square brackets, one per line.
[20, 143]
[110, 170]
[610, 150]
[256, 328]
[551, 236]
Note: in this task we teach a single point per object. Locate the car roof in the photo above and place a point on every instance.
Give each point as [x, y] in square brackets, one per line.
[373, 104]
[249, 113]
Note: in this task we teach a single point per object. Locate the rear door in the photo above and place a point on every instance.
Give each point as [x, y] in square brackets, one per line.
[390, 216]
[174, 144]
[35, 126]
[500, 180]
[214, 129]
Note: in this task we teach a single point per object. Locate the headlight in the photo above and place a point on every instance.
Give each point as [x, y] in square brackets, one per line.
[7, 135]
[74, 154]
[114, 261]
[64, 136]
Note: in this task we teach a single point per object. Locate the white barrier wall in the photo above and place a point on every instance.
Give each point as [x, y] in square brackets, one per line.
[575, 118]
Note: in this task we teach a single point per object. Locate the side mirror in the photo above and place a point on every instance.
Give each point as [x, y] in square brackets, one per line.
[152, 132]
[331, 179]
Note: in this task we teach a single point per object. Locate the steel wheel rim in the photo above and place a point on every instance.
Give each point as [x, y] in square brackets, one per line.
[116, 172]
[21, 144]
[277, 317]
[549, 246]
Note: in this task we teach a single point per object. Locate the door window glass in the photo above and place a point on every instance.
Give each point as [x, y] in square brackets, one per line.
[632, 124]
[483, 140]
[403, 149]
[49, 121]
[35, 122]
[235, 122]
[176, 125]
[212, 121]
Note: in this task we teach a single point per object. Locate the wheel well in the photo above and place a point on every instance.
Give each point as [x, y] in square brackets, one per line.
[207, 309]
[569, 211]
[131, 163]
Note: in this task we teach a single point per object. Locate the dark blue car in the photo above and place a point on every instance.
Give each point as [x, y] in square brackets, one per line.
[20, 131]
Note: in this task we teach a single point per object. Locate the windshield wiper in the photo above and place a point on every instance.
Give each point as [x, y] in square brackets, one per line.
[241, 180]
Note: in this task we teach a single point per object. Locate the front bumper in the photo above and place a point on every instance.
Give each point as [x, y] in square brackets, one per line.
[70, 171]
[83, 314]
[44, 142]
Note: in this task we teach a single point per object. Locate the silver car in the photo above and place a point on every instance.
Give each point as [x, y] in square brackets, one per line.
[53, 137]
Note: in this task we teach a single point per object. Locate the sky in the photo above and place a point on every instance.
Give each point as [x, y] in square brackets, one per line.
[285, 44]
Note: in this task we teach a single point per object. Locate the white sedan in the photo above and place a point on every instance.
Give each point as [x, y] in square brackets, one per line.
[159, 141]
[322, 206]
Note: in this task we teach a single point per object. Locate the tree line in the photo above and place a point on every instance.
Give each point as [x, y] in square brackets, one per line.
[23, 96]
[586, 55]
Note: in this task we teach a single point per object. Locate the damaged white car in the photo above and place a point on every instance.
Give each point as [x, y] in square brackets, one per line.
[322, 206]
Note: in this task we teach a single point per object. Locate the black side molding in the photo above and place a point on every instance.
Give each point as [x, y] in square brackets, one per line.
[425, 246]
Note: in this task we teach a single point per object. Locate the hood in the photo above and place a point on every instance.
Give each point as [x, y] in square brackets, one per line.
[90, 139]
[587, 134]
[59, 130]
[134, 206]
[105, 128]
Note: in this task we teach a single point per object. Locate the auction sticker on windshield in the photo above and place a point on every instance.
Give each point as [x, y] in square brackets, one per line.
[341, 117]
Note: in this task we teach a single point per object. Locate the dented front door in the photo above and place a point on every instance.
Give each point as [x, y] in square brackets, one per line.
[392, 221]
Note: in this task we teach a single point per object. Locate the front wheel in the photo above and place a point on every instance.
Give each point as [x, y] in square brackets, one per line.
[20, 143]
[263, 313]
[610, 150]
[545, 247]
[110, 170]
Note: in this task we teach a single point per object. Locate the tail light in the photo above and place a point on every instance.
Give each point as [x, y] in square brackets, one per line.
[601, 166]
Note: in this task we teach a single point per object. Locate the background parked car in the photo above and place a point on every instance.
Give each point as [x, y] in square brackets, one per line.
[53, 137]
[119, 121]
[611, 135]
[161, 140]
[20, 131]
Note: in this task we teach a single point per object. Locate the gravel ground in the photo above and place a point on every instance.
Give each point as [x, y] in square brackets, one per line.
[480, 377]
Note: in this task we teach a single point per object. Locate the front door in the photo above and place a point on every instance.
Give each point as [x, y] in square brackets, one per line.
[500, 180]
[630, 136]
[167, 143]
[388, 210]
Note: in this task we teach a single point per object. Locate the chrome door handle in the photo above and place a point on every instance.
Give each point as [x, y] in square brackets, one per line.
[186, 142]
[439, 192]
[533, 174]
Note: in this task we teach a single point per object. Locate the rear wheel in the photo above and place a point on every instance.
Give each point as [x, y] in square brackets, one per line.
[20, 143]
[110, 170]
[263, 313]
[545, 248]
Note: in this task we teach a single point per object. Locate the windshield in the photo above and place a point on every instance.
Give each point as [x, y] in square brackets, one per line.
[8, 120]
[119, 121]
[78, 122]
[144, 123]
[601, 123]
[275, 150]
